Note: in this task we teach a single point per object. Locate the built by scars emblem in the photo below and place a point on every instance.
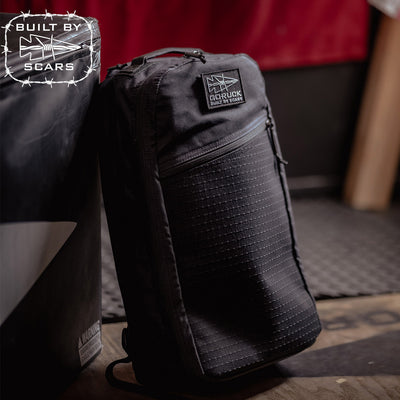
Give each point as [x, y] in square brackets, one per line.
[223, 88]
[32, 40]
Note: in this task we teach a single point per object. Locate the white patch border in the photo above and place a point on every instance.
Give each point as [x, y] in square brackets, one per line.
[50, 82]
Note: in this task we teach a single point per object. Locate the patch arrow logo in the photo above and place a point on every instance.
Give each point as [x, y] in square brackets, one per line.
[219, 83]
[39, 47]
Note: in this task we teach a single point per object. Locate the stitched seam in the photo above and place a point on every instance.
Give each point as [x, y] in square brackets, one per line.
[263, 200]
[206, 328]
[226, 226]
[289, 350]
[266, 342]
[208, 343]
[243, 253]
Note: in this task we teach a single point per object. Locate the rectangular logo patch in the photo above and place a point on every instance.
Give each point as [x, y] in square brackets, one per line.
[89, 343]
[223, 88]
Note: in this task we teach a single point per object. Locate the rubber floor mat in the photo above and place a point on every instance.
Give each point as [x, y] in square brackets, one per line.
[347, 252]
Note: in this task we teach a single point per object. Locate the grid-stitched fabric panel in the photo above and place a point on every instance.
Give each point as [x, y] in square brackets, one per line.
[242, 290]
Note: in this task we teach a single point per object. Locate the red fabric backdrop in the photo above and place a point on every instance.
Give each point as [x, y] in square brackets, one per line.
[276, 33]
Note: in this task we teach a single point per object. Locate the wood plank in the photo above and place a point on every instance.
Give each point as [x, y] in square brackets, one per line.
[373, 164]
[356, 357]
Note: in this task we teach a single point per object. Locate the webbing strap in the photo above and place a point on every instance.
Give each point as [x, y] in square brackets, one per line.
[134, 387]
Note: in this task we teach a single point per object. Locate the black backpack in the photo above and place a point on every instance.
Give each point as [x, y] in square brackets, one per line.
[200, 220]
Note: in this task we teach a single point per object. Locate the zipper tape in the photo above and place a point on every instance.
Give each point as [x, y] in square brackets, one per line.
[174, 166]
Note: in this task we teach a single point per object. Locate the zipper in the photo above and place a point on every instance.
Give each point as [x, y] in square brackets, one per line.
[172, 167]
[181, 341]
[196, 54]
[127, 69]
[270, 128]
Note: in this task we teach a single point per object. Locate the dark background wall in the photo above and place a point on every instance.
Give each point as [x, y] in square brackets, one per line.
[316, 110]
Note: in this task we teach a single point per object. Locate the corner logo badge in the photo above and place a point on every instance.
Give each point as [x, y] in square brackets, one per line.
[30, 41]
[223, 88]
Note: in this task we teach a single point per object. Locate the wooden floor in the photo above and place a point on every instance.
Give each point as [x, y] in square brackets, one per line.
[356, 357]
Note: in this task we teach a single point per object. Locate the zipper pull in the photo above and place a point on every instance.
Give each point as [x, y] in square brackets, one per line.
[270, 125]
[115, 69]
[197, 54]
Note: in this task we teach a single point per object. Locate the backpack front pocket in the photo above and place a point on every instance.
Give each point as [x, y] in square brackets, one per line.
[242, 287]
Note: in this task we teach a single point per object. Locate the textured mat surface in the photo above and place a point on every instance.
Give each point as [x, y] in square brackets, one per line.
[347, 252]
[344, 252]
